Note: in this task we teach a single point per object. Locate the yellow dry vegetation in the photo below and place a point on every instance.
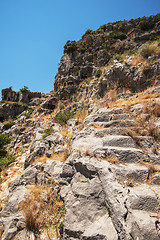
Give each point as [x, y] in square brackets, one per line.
[43, 211]
[142, 98]
[81, 115]
[110, 159]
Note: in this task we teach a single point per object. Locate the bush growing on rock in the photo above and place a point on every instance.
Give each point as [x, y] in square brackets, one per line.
[4, 139]
[70, 46]
[47, 132]
[8, 124]
[64, 116]
[98, 73]
[117, 35]
[5, 158]
[148, 23]
[28, 113]
[147, 50]
[89, 31]
[24, 89]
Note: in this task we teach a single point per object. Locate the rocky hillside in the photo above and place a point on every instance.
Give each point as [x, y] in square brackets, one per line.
[83, 162]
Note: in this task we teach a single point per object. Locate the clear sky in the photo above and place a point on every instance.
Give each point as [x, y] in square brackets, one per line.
[33, 33]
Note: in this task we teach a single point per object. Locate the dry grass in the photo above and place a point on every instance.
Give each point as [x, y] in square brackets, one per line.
[152, 130]
[1, 230]
[153, 109]
[155, 148]
[139, 59]
[111, 159]
[41, 159]
[98, 126]
[142, 98]
[105, 101]
[61, 156]
[41, 208]
[152, 169]
[112, 95]
[89, 153]
[66, 134]
[81, 115]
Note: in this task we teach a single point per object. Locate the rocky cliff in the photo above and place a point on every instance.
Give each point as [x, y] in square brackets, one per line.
[83, 162]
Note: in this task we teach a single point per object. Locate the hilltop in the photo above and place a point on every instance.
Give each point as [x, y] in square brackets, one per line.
[83, 161]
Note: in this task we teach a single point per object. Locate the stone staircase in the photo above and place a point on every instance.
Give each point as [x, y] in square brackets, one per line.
[104, 137]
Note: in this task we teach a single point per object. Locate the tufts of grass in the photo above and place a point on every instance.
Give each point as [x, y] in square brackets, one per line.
[6, 160]
[47, 132]
[42, 209]
[111, 159]
[28, 113]
[63, 116]
[147, 50]
[8, 124]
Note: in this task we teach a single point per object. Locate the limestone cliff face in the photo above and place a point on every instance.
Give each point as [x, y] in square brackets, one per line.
[95, 49]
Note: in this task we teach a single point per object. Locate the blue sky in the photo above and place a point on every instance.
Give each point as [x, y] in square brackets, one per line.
[33, 33]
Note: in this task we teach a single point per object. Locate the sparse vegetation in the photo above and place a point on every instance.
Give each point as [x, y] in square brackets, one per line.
[98, 73]
[147, 50]
[89, 31]
[8, 124]
[25, 89]
[147, 23]
[28, 113]
[63, 116]
[117, 35]
[111, 159]
[3, 101]
[38, 213]
[5, 157]
[70, 47]
[19, 104]
[47, 132]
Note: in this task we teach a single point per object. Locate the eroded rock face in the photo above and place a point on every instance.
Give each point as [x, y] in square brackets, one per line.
[8, 111]
[103, 200]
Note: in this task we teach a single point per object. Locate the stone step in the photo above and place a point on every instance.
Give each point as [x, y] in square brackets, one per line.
[118, 141]
[131, 172]
[143, 225]
[114, 123]
[120, 116]
[105, 118]
[110, 131]
[143, 198]
[123, 154]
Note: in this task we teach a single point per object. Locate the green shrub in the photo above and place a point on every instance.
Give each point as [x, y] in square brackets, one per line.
[47, 132]
[24, 89]
[19, 104]
[5, 158]
[147, 23]
[4, 139]
[9, 124]
[117, 35]
[63, 116]
[89, 31]
[5, 161]
[70, 46]
[98, 73]
[147, 50]
[83, 47]
[103, 27]
[28, 113]
[61, 105]
[3, 101]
